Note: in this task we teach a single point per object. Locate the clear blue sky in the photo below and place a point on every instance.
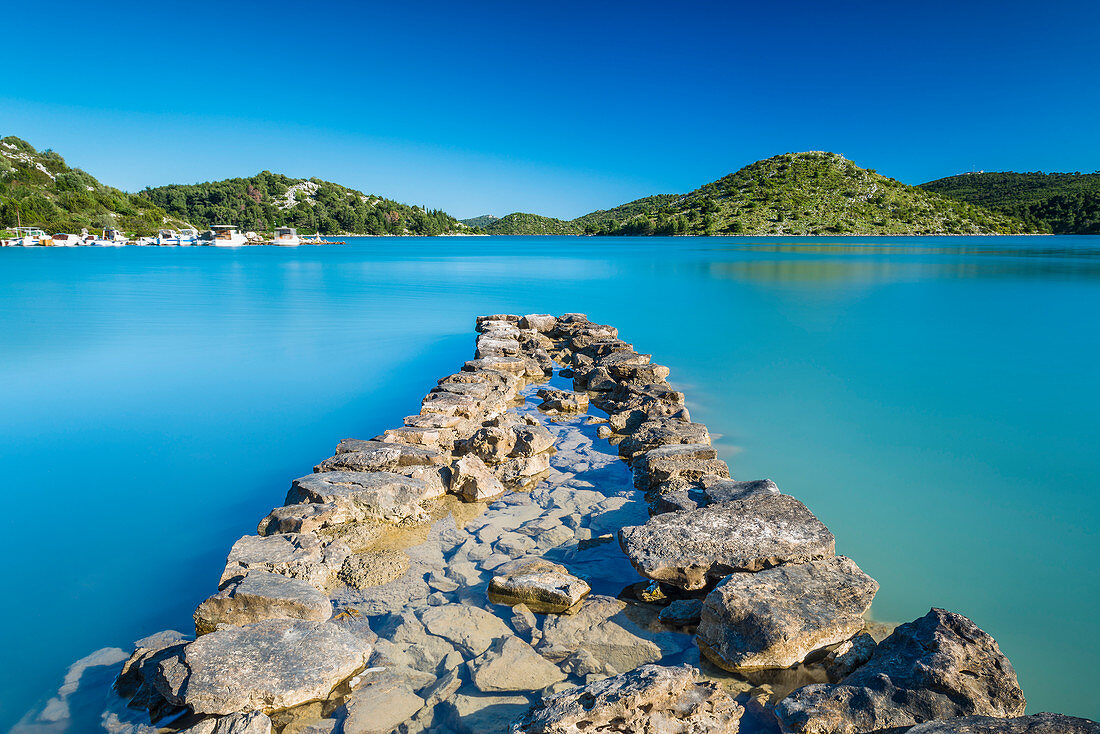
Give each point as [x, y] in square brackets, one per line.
[558, 108]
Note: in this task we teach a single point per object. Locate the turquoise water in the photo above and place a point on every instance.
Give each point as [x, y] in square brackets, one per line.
[933, 400]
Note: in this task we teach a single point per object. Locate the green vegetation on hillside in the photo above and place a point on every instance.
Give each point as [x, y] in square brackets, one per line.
[520, 223]
[601, 219]
[1064, 203]
[40, 190]
[270, 200]
[483, 221]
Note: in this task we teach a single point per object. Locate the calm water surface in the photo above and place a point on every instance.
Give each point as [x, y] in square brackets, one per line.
[933, 400]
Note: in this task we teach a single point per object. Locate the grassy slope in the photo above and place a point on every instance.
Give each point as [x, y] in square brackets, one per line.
[1067, 203]
[261, 203]
[40, 190]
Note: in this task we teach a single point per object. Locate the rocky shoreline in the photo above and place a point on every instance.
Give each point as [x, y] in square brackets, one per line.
[476, 569]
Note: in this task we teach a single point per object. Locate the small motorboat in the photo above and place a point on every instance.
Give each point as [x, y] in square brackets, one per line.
[188, 236]
[286, 237]
[67, 240]
[166, 237]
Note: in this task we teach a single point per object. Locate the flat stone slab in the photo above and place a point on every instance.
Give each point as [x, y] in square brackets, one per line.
[940, 666]
[595, 629]
[266, 666]
[380, 704]
[777, 617]
[692, 548]
[296, 555]
[563, 401]
[470, 629]
[650, 700]
[1034, 724]
[545, 588]
[261, 595]
[374, 495]
[659, 432]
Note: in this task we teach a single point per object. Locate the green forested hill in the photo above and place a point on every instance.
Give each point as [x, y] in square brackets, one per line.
[1066, 203]
[38, 189]
[811, 193]
[520, 223]
[268, 200]
[483, 221]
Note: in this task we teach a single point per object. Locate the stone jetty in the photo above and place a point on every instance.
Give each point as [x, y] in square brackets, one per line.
[552, 544]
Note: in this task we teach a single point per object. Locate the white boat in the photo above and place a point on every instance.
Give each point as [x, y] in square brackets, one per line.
[29, 237]
[286, 237]
[226, 235]
[167, 237]
[189, 236]
[67, 240]
[114, 238]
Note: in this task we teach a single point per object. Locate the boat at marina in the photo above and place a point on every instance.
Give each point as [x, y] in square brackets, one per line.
[188, 236]
[67, 240]
[226, 235]
[29, 237]
[286, 237]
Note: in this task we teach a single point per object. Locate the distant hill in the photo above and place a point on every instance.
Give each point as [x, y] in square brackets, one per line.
[813, 193]
[268, 200]
[520, 223]
[38, 189]
[1065, 203]
[483, 221]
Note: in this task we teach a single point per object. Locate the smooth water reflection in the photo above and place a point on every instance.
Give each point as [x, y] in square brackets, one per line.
[933, 400]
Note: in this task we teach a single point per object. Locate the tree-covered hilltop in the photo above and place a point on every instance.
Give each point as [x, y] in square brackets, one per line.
[38, 189]
[483, 221]
[594, 222]
[813, 193]
[1066, 203]
[270, 200]
[521, 223]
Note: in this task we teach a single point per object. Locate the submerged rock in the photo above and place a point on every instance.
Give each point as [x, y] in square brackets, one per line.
[266, 666]
[470, 629]
[650, 700]
[940, 666]
[373, 568]
[593, 627]
[543, 587]
[510, 664]
[692, 548]
[563, 401]
[682, 612]
[261, 595]
[254, 722]
[378, 495]
[1034, 724]
[380, 705]
[777, 617]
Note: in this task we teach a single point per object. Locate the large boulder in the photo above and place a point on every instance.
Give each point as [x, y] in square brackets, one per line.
[692, 548]
[261, 595]
[544, 587]
[1035, 724]
[266, 666]
[673, 467]
[541, 322]
[650, 700]
[366, 495]
[658, 432]
[940, 666]
[563, 401]
[473, 481]
[295, 555]
[776, 617]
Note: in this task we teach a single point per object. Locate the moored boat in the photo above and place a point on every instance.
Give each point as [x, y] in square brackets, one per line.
[286, 237]
[29, 237]
[67, 240]
[226, 235]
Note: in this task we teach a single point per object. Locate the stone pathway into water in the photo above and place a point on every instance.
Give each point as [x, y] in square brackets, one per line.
[512, 559]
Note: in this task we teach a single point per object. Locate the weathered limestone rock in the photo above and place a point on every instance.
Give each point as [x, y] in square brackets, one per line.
[775, 618]
[849, 655]
[540, 322]
[658, 432]
[379, 495]
[638, 373]
[489, 345]
[594, 628]
[266, 666]
[254, 722]
[306, 517]
[472, 481]
[380, 704]
[470, 629]
[940, 666]
[356, 455]
[518, 471]
[296, 555]
[510, 664]
[467, 713]
[531, 440]
[544, 587]
[512, 365]
[563, 401]
[135, 680]
[373, 568]
[491, 443]
[682, 612]
[650, 700]
[261, 595]
[691, 548]
[1034, 724]
[713, 490]
[676, 466]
